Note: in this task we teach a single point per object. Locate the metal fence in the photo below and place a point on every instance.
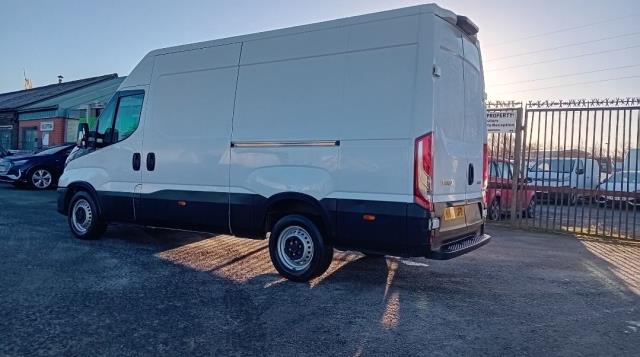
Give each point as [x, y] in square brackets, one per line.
[576, 163]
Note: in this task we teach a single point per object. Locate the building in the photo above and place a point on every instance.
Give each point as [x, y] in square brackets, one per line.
[12, 103]
[55, 121]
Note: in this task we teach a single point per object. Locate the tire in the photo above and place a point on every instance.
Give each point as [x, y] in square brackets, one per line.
[494, 210]
[298, 250]
[41, 178]
[530, 212]
[83, 217]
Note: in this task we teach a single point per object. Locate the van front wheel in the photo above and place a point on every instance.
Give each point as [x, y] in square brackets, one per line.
[83, 217]
[298, 250]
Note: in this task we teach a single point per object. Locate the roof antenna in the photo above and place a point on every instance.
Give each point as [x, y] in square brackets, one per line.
[27, 81]
[60, 78]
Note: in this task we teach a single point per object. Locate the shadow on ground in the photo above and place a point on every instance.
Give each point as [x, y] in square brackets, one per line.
[154, 292]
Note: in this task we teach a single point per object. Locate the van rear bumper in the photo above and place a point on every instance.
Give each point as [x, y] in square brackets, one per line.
[432, 237]
[459, 247]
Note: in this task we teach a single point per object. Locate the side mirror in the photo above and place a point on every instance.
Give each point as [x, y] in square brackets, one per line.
[83, 135]
[580, 171]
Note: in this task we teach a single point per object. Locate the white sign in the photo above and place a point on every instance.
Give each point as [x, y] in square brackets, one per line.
[502, 121]
[46, 126]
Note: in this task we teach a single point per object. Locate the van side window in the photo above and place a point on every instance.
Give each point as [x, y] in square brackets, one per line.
[127, 117]
[105, 120]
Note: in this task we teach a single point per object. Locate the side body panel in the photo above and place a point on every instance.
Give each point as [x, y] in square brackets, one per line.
[192, 100]
[351, 85]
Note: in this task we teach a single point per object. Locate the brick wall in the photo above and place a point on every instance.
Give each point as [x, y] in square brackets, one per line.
[56, 137]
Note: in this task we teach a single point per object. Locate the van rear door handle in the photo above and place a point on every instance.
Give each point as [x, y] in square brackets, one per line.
[135, 161]
[151, 161]
[470, 175]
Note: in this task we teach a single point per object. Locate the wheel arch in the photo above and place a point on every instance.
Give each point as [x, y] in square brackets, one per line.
[78, 186]
[282, 204]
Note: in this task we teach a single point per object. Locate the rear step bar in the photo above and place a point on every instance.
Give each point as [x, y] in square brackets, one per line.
[460, 247]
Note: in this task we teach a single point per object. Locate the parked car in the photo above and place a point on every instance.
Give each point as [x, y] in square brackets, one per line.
[617, 186]
[500, 193]
[567, 174]
[40, 171]
[351, 134]
[631, 160]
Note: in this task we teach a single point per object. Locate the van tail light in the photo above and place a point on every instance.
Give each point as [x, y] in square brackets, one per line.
[423, 171]
[485, 172]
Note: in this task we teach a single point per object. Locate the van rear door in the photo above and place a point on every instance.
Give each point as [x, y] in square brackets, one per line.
[458, 134]
[475, 128]
[449, 149]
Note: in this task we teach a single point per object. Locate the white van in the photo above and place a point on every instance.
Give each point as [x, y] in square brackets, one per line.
[365, 133]
[632, 160]
[569, 175]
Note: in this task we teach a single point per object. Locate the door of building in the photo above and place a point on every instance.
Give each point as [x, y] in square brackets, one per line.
[30, 138]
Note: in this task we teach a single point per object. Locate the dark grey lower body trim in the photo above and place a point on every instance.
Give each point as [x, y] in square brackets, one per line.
[391, 228]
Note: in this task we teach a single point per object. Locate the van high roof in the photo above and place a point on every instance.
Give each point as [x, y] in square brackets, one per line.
[462, 22]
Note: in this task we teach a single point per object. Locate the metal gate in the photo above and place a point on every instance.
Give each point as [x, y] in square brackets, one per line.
[577, 164]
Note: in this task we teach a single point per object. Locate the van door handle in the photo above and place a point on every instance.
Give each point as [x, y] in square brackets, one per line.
[470, 175]
[135, 161]
[151, 161]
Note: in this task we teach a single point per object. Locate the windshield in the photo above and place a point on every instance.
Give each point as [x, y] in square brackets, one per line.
[624, 177]
[52, 150]
[554, 165]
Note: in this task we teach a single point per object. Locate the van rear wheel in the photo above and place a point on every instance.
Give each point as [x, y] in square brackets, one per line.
[298, 250]
[83, 217]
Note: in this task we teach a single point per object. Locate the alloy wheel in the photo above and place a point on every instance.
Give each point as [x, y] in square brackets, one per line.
[41, 179]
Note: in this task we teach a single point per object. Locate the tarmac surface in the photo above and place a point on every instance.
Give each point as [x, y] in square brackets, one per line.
[142, 291]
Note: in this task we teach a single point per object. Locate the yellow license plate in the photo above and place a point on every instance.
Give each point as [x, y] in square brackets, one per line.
[453, 212]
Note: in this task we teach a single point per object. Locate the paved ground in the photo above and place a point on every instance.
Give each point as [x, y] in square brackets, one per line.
[151, 292]
[587, 218]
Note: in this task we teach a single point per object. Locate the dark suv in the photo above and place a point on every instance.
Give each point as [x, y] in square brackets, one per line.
[40, 171]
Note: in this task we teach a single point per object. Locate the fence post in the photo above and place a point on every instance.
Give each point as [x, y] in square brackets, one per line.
[517, 155]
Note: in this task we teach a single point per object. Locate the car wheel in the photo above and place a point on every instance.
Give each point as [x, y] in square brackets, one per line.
[41, 178]
[83, 217]
[531, 209]
[298, 250]
[494, 210]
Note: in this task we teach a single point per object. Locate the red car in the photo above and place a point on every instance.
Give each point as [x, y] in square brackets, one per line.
[500, 195]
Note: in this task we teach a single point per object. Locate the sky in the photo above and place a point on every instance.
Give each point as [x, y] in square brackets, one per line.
[524, 43]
